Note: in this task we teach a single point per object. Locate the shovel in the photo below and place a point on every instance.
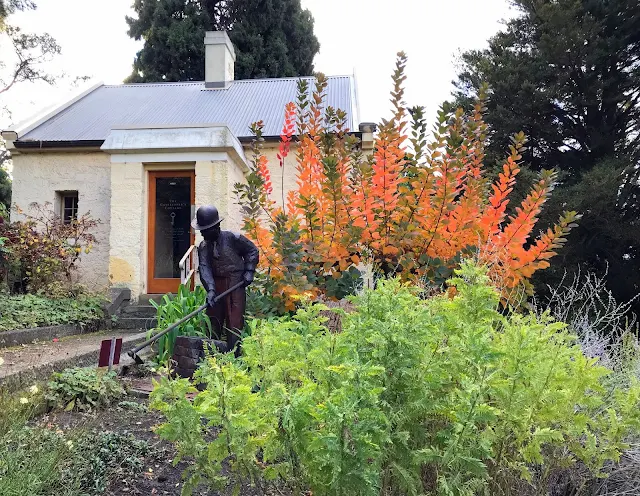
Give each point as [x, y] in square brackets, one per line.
[134, 352]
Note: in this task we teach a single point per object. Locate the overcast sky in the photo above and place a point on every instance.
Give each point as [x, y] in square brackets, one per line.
[358, 37]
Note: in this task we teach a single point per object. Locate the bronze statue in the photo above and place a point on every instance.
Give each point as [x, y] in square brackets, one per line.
[225, 259]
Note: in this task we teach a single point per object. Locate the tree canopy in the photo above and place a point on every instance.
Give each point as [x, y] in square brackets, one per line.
[567, 73]
[5, 179]
[22, 60]
[272, 38]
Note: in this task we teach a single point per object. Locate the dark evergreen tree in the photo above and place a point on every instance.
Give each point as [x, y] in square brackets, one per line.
[272, 38]
[567, 73]
[5, 187]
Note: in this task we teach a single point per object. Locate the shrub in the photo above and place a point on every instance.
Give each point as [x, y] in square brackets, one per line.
[173, 308]
[444, 397]
[43, 249]
[83, 389]
[24, 311]
[413, 208]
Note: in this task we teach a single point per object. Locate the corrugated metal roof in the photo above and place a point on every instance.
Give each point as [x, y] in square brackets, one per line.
[184, 104]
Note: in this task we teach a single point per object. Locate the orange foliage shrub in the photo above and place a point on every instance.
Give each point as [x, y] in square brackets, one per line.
[413, 208]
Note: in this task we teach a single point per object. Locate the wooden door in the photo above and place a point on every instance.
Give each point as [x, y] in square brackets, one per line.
[171, 196]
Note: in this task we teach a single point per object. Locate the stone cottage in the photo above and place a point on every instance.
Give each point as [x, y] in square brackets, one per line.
[142, 157]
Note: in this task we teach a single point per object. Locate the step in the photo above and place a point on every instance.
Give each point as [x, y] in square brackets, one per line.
[144, 299]
[142, 323]
[118, 298]
[138, 311]
[24, 365]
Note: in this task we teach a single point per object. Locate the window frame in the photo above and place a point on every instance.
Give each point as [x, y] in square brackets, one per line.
[68, 214]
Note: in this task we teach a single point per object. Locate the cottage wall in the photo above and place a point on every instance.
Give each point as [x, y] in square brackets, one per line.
[38, 176]
[281, 176]
[129, 230]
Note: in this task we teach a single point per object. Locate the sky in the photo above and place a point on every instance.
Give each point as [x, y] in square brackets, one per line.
[358, 37]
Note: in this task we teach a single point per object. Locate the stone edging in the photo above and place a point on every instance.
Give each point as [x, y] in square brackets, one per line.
[25, 336]
[28, 377]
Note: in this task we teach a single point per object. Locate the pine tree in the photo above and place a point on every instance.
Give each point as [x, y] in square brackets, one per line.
[567, 73]
[272, 38]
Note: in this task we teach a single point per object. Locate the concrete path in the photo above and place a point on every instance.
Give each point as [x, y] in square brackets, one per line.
[26, 364]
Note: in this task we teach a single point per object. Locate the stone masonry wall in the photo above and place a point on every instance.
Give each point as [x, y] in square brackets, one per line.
[128, 214]
[37, 177]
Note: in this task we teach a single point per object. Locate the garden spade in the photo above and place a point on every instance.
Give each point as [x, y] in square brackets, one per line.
[134, 352]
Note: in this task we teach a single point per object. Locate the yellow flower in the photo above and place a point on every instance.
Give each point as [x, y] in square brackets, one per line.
[33, 389]
[24, 401]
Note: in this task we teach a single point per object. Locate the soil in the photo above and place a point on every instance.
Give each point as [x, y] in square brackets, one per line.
[159, 477]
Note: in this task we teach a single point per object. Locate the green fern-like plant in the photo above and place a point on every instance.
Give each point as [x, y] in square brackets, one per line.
[446, 396]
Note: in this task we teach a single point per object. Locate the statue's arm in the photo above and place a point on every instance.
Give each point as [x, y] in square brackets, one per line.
[249, 252]
[205, 267]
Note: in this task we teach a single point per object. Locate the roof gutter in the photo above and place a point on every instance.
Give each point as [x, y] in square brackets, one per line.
[43, 144]
[40, 144]
[250, 139]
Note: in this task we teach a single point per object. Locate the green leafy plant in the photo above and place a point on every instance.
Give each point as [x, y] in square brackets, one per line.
[83, 389]
[100, 457]
[173, 308]
[445, 396]
[31, 310]
[133, 405]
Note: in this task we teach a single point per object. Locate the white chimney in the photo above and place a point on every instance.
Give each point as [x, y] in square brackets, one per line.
[219, 59]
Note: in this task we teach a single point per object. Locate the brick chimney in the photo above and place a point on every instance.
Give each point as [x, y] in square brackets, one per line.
[219, 59]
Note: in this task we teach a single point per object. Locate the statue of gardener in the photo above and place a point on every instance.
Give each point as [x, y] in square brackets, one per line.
[225, 259]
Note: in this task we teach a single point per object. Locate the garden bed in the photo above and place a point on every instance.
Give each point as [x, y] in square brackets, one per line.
[131, 417]
[30, 311]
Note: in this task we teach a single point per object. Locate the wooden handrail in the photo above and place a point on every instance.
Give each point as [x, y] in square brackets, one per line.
[188, 265]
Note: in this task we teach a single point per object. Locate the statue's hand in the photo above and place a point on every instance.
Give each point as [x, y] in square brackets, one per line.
[248, 277]
[211, 296]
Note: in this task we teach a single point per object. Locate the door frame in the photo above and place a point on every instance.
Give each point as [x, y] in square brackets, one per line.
[164, 285]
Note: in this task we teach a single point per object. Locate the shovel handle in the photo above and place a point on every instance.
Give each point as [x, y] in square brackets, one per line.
[134, 352]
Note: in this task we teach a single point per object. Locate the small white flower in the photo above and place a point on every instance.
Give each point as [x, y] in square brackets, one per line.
[70, 444]
[1, 360]
[33, 389]
[24, 401]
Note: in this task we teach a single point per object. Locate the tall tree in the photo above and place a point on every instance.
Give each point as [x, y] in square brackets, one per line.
[25, 53]
[272, 38]
[567, 73]
[22, 59]
[5, 179]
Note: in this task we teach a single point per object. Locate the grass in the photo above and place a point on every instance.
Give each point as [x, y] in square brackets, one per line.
[44, 460]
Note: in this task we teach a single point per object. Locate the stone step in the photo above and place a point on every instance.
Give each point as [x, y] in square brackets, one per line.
[144, 299]
[118, 298]
[143, 323]
[138, 311]
[24, 365]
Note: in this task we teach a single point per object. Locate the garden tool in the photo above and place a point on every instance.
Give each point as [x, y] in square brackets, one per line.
[134, 352]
